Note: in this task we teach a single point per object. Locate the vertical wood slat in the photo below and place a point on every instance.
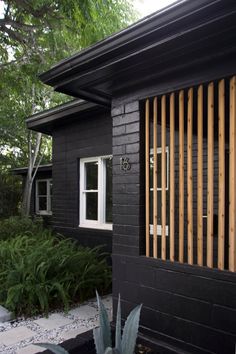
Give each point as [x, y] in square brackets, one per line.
[232, 176]
[200, 177]
[210, 175]
[190, 176]
[163, 177]
[172, 177]
[221, 198]
[181, 176]
[155, 178]
[147, 167]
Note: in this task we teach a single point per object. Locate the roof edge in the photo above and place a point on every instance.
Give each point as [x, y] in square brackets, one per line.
[120, 38]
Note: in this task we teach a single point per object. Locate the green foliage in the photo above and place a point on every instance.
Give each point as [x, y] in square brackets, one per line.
[17, 225]
[102, 334]
[34, 35]
[41, 272]
[10, 195]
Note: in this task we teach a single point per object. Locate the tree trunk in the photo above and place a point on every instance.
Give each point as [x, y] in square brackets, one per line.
[33, 156]
[31, 173]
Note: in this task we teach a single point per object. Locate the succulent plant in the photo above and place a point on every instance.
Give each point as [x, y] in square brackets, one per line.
[125, 343]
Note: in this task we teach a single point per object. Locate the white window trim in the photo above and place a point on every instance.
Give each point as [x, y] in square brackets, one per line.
[159, 150]
[100, 223]
[49, 206]
[159, 227]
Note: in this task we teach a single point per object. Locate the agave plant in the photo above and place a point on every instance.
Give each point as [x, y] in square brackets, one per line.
[124, 343]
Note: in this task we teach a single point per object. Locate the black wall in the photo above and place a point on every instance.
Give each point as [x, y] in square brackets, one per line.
[78, 139]
[186, 307]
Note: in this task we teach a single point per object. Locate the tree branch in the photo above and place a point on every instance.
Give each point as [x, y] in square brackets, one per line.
[15, 24]
[13, 34]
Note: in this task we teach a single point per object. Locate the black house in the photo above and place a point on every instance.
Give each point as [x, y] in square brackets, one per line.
[161, 106]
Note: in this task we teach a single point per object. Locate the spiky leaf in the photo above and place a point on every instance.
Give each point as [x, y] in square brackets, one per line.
[130, 331]
[98, 340]
[118, 326]
[56, 349]
[104, 323]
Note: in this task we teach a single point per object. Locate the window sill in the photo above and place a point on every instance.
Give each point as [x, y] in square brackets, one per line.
[97, 226]
[43, 213]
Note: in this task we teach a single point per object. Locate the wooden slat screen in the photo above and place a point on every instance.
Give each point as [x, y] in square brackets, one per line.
[181, 176]
[232, 176]
[172, 177]
[210, 175]
[163, 177]
[147, 147]
[200, 176]
[221, 204]
[190, 135]
[155, 178]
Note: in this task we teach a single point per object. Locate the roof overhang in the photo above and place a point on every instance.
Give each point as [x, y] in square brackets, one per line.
[46, 121]
[23, 170]
[183, 34]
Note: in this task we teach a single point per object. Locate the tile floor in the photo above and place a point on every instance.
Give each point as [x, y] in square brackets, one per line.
[18, 337]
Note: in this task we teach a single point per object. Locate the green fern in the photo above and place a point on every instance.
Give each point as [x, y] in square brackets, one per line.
[48, 271]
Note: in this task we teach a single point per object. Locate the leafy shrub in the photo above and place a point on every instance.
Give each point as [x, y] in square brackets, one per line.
[11, 192]
[17, 225]
[38, 274]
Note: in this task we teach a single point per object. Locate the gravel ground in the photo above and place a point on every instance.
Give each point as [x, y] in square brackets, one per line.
[78, 324]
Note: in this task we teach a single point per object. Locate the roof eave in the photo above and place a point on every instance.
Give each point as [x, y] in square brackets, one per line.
[45, 121]
[107, 47]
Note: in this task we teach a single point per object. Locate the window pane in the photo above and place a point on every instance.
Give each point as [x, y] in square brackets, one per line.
[151, 208]
[42, 188]
[42, 203]
[92, 206]
[91, 175]
[109, 190]
[158, 170]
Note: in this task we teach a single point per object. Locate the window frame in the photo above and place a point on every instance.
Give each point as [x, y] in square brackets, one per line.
[100, 223]
[151, 153]
[48, 197]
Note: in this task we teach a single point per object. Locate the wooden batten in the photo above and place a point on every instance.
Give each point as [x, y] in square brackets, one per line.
[155, 178]
[210, 175]
[214, 102]
[190, 175]
[163, 177]
[172, 177]
[147, 167]
[221, 176]
[181, 176]
[232, 176]
[200, 177]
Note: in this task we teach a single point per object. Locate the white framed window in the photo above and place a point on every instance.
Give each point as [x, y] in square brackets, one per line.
[96, 192]
[159, 188]
[44, 196]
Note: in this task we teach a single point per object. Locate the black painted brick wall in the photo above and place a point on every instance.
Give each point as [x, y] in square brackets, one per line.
[83, 138]
[127, 200]
[189, 307]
